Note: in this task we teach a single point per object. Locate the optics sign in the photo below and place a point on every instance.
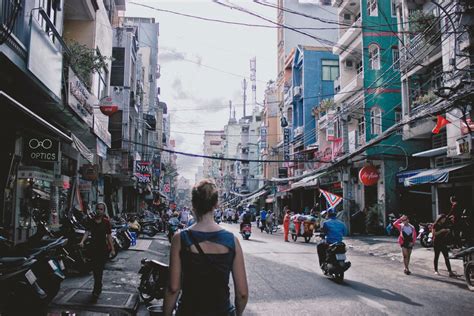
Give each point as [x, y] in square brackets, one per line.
[37, 148]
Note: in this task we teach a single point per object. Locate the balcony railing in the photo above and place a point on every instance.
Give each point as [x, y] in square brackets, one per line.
[19, 27]
[354, 84]
[348, 36]
[419, 49]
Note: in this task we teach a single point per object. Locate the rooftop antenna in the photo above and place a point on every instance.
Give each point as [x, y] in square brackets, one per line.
[244, 86]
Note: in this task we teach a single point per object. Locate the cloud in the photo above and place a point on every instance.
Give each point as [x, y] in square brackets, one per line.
[170, 55]
[213, 104]
[179, 93]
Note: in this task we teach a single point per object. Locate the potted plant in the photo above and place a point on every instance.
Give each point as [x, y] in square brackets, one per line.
[426, 23]
[85, 61]
[326, 104]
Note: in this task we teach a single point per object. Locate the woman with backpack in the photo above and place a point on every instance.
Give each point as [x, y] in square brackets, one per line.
[406, 239]
[202, 258]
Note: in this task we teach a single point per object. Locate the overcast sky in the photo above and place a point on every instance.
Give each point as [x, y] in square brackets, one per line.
[203, 64]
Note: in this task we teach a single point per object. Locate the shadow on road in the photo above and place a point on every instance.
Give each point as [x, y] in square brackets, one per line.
[385, 294]
[451, 281]
[256, 240]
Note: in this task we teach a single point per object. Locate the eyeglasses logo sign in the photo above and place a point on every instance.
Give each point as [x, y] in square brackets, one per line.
[37, 148]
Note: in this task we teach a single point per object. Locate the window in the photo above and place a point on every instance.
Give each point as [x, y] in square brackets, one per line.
[101, 83]
[374, 57]
[395, 57]
[372, 9]
[376, 120]
[361, 126]
[398, 115]
[394, 8]
[118, 66]
[330, 69]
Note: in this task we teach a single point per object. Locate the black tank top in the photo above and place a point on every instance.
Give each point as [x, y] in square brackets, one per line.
[205, 290]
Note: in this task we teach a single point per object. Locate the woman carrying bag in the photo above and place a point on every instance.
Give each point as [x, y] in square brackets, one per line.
[406, 239]
[202, 258]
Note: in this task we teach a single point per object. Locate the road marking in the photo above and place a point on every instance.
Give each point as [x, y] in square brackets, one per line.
[372, 303]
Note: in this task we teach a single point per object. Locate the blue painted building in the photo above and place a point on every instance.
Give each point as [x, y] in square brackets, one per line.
[314, 71]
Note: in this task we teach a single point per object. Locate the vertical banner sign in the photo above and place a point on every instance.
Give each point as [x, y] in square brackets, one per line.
[263, 137]
[286, 143]
[143, 171]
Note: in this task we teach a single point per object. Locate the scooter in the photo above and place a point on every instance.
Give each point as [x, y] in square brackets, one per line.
[335, 264]
[425, 235]
[153, 281]
[246, 231]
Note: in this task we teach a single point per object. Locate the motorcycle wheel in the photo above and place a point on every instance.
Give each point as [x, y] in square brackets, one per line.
[125, 243]
[146, 283]
[339, 277]
[307, 239]
[424, 241]
[294, 237]
[246, 237]
[469, 275]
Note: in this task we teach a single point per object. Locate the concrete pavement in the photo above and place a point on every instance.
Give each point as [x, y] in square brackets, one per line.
[284, 279]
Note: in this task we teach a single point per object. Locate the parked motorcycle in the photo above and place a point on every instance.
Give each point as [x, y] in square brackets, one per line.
[172, 229]
[18, 284]
[425, 235]
[217, 219]
[467, 256]
[153, 280]
[335, 264]
[246, 231]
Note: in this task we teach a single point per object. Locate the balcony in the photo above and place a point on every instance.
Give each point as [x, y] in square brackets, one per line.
[348, 37]
[288, 96]
[421, 49]
[355, 84]
[81, 10]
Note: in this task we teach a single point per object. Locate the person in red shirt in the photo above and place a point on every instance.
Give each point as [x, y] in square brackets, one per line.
[100, 230]
[286, 223]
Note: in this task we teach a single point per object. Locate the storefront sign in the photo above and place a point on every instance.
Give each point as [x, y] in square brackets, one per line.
[101, 149]
[90, 172]
[38, 148]
[108, 107]
[28, 173]
[464, 146]
[101, 131]
[143, 171]
[286, 143]
[80, 99]
[369, 175]
[263, 137]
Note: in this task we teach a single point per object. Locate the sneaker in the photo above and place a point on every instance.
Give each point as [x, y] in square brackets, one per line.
[452, 275]
[436, 272]
[408, 272]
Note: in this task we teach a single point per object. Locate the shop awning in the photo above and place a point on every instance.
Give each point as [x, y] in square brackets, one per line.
[432, 152]
[401, 176]
[307, 182]
[85, 152]
[438, 175]
[36, 117]
[254, 196]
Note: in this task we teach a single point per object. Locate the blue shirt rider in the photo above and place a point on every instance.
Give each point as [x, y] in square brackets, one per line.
[334, 230]
[263, 218]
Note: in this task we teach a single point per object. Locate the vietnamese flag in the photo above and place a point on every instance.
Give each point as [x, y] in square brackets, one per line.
[442, 122]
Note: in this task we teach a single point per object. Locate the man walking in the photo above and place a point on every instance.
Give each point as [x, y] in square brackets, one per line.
[100, 230]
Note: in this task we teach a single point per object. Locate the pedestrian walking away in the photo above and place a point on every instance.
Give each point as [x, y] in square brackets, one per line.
[286, 223]
[406, 239]
[100, 230]
[440, 237]
[201, 260]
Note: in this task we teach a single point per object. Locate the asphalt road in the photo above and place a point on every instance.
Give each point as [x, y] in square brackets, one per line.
[284, 279]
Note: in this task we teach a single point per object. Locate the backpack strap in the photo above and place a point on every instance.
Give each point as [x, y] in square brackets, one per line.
[198, 247]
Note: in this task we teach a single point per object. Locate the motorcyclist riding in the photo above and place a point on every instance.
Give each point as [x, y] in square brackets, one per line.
[263, 219]
[246, 218]
[334, 231]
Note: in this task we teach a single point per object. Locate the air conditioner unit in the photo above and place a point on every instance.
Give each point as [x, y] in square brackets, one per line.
[297, 91]
[349, 63]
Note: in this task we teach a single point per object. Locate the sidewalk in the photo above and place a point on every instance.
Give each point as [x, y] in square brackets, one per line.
[120, 282]
[388, 247]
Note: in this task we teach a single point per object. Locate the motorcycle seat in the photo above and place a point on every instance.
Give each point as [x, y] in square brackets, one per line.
[159, 265]
[148, 222]
[12, 260]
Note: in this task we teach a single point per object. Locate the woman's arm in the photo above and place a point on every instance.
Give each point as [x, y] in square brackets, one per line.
[111, 243]
[174, 285]
[240, 280]
[397, 223]
[84, 238]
